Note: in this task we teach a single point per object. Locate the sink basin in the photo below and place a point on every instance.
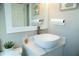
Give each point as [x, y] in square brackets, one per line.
[46, 40]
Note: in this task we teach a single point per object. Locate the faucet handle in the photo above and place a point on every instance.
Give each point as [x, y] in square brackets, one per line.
[40, 22]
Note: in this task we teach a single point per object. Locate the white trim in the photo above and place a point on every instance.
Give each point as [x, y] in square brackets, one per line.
[8, 17]
[30, 11]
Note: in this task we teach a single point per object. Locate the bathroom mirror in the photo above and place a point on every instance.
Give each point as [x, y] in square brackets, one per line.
[25, 16]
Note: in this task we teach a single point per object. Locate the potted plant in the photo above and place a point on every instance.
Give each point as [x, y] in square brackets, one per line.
[10, 49]
[8, 45]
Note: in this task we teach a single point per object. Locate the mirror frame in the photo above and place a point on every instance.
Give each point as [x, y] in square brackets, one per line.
[11, 29]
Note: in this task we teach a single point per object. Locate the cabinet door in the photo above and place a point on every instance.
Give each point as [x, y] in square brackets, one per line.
[56, 52]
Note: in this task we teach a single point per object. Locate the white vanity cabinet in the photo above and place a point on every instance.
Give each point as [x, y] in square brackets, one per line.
[18, 17]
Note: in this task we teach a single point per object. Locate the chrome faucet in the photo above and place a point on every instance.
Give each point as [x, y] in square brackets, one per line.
[38, 29]
[39, 24]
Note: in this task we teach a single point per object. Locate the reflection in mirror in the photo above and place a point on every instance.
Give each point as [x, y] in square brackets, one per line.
[37, 14]
[24, 14]
[20, 15]
[35, 10]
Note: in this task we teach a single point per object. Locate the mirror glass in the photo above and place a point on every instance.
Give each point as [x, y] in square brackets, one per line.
[24, 14]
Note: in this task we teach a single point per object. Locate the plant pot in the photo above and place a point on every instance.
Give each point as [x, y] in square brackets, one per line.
[12, 52]
[10, 49]
[7, 52]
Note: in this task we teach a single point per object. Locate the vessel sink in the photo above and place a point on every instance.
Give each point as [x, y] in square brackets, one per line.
[46, 40]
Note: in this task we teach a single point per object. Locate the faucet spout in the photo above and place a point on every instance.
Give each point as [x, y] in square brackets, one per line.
[38, 29]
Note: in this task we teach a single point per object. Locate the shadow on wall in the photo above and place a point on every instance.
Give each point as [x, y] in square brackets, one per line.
[0, 45]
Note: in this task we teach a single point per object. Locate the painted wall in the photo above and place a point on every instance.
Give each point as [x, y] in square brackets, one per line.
[16, 37]
[70, 30]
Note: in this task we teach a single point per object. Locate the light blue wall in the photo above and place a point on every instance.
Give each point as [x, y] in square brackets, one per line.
[16, 37]
[70, 30]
